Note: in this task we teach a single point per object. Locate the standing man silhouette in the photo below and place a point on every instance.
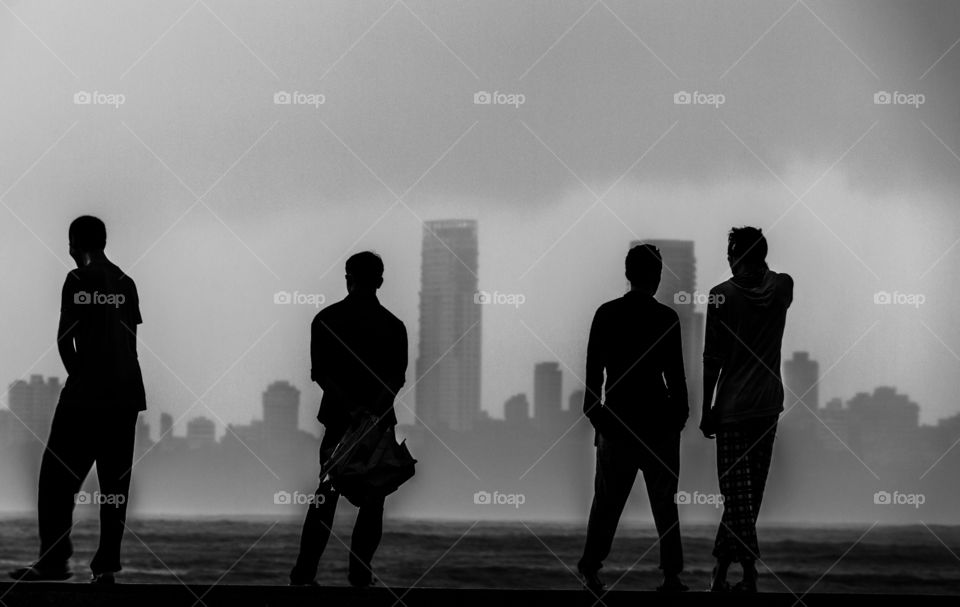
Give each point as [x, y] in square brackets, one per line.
[358, 352]
[746, 316]
[96, 416]
[636, 340]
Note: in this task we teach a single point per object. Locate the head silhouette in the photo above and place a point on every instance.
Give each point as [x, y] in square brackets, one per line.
[88, 238]
[746, 249]
[643, 267]
[364, 272]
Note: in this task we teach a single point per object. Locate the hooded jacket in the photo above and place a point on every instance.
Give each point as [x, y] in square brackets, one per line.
[744, 333]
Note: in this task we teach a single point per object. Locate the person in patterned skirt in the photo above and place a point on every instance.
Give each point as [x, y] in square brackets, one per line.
[746, 316]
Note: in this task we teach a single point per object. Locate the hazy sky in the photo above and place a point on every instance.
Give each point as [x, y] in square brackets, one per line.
[289, 190]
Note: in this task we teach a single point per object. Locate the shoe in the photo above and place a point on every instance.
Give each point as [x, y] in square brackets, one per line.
[360, 582]
[672, 584]
[592, 580]
[749, 582]
[718, 585]
[747, 586]
[35, 573]
[103, 579]
[294, 582]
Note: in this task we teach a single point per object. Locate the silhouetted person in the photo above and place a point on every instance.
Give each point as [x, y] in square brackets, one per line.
[96, 417]
[358, 352]
[636, 341]
[741, 359]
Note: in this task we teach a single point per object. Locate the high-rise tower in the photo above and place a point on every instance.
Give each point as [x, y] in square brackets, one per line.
[448, 364]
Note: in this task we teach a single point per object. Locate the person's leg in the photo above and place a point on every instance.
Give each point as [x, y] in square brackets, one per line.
[114, 469]
[317, 526]
[734, 478]
[615, 474]
[661, 471]
[367, 532]
[67, 459]
[741, 448]
[723, 550]
[763, 435]
[318, 522]
[755, 445]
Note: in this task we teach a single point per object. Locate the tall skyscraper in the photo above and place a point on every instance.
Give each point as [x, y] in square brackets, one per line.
[547, 395]
[33, 404]
[678, 284]
[281, 410]
[448, 364]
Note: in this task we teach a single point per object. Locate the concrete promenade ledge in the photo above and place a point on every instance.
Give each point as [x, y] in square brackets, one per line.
[170, 595]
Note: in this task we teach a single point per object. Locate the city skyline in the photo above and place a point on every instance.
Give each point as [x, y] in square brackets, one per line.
[34, 400]
[872, 440]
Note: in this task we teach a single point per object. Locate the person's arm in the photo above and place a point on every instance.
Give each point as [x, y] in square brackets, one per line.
[708, 422]
[713, 355]
[66, 329]
[134, 316]
[592, 405]
[674, 375]
[321, 343]
[402, 358]
[788, 280]
[390, 386]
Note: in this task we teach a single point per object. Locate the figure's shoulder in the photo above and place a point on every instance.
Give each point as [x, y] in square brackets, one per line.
[392, 318]
[329, 313]
[74, 277]
[785, 287]
[609, 307]
[123, 278]
[785, 279]
[722, 288]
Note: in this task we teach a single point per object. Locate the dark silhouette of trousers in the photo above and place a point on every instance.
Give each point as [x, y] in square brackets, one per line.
[744, 453]
[318, 524]
[80, 437]
[617, 465]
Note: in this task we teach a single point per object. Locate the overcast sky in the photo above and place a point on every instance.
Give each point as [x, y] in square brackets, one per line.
[289, 190]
